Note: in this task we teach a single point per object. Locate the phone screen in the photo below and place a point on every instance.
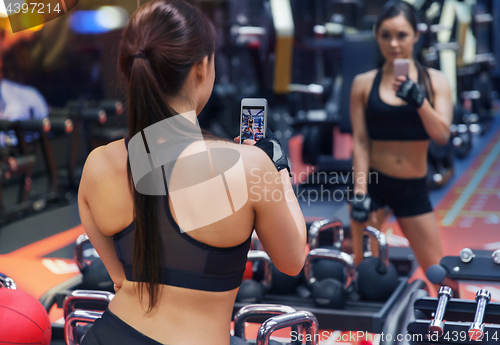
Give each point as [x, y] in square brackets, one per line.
[252, 123]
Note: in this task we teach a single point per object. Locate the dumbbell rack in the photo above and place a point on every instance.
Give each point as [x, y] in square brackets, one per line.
[481, 267]
[24, 162]
[356, 316]
[459, 316]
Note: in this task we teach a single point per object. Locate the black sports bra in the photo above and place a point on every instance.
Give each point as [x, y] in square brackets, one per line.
[187, 262]
[391, 122]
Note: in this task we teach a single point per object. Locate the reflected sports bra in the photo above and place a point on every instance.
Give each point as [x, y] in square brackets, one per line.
[392, 122]
[187, 262]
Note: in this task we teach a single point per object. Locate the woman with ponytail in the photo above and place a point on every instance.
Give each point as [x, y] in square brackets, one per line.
[171, 208]
[393, 118]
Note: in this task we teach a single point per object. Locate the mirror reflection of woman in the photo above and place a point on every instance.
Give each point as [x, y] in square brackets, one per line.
[393, 120]
[250, 125]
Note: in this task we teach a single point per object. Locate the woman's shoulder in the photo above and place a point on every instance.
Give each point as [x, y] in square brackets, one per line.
[116, 154]
[252, 157]
[366, 76]
[439, 81]
[246, 152]
[104, 160]
[363, 82]
[96, 173]
[437, 76]
[111, 158]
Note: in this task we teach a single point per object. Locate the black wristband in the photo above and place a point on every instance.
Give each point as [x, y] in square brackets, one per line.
[272, 147]
[361, 207]
[411, 92]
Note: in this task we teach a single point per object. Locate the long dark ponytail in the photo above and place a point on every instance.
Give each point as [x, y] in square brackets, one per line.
[171, 36]
[393, 9]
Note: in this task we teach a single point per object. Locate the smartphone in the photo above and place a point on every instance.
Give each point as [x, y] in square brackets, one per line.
[401, 67]
[253, 119]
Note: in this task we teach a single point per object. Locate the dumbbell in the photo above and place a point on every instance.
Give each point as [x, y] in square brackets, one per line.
[304, 318]
[23, 129]
[476, 329]
[437, 325]
[95, 274]
[437, 273]
[108, 105]
[466, 255]
[111, 106]
[86, 299]
[86, 114]
[259, 310]
[330, 292]
[72, 335]
[323, 269]
[377, 277]
[7, 282]
[61, 125]
[26, 125]
[496, 256]
[251, 291]
[83, 306]
[20, 165]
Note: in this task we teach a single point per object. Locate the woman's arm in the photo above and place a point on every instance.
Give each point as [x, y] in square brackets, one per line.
[279, 221]
[436, 120]
[361, 163]
[361, 159]
[94, 175]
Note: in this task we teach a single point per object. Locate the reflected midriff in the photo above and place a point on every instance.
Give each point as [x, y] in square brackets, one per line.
[402, 159]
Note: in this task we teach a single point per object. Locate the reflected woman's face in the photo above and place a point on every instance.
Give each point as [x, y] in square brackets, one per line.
[396, 38]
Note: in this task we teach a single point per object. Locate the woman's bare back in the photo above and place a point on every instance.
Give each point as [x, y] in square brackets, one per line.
[181, 315]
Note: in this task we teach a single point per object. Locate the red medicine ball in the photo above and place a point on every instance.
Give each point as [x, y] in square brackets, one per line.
[23, 319]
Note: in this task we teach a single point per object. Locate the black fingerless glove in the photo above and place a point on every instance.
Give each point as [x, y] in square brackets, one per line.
[270, 145]
[411, 92]
[361, 207]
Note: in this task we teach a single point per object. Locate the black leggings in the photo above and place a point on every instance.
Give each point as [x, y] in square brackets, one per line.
[407, 197]
[110, 329]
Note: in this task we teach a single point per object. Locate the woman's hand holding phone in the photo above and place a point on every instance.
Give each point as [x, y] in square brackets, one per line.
[409, 91]
[246, 141]
[405, 88]
[272, 147]
[396, 84]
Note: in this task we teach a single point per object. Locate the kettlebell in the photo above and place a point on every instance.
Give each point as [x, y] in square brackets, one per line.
[282, 284]
[252, 291]
[95, 275]
[7, 282]
[325, 268]
[330, 292]
[320, 226]
[377, 277]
